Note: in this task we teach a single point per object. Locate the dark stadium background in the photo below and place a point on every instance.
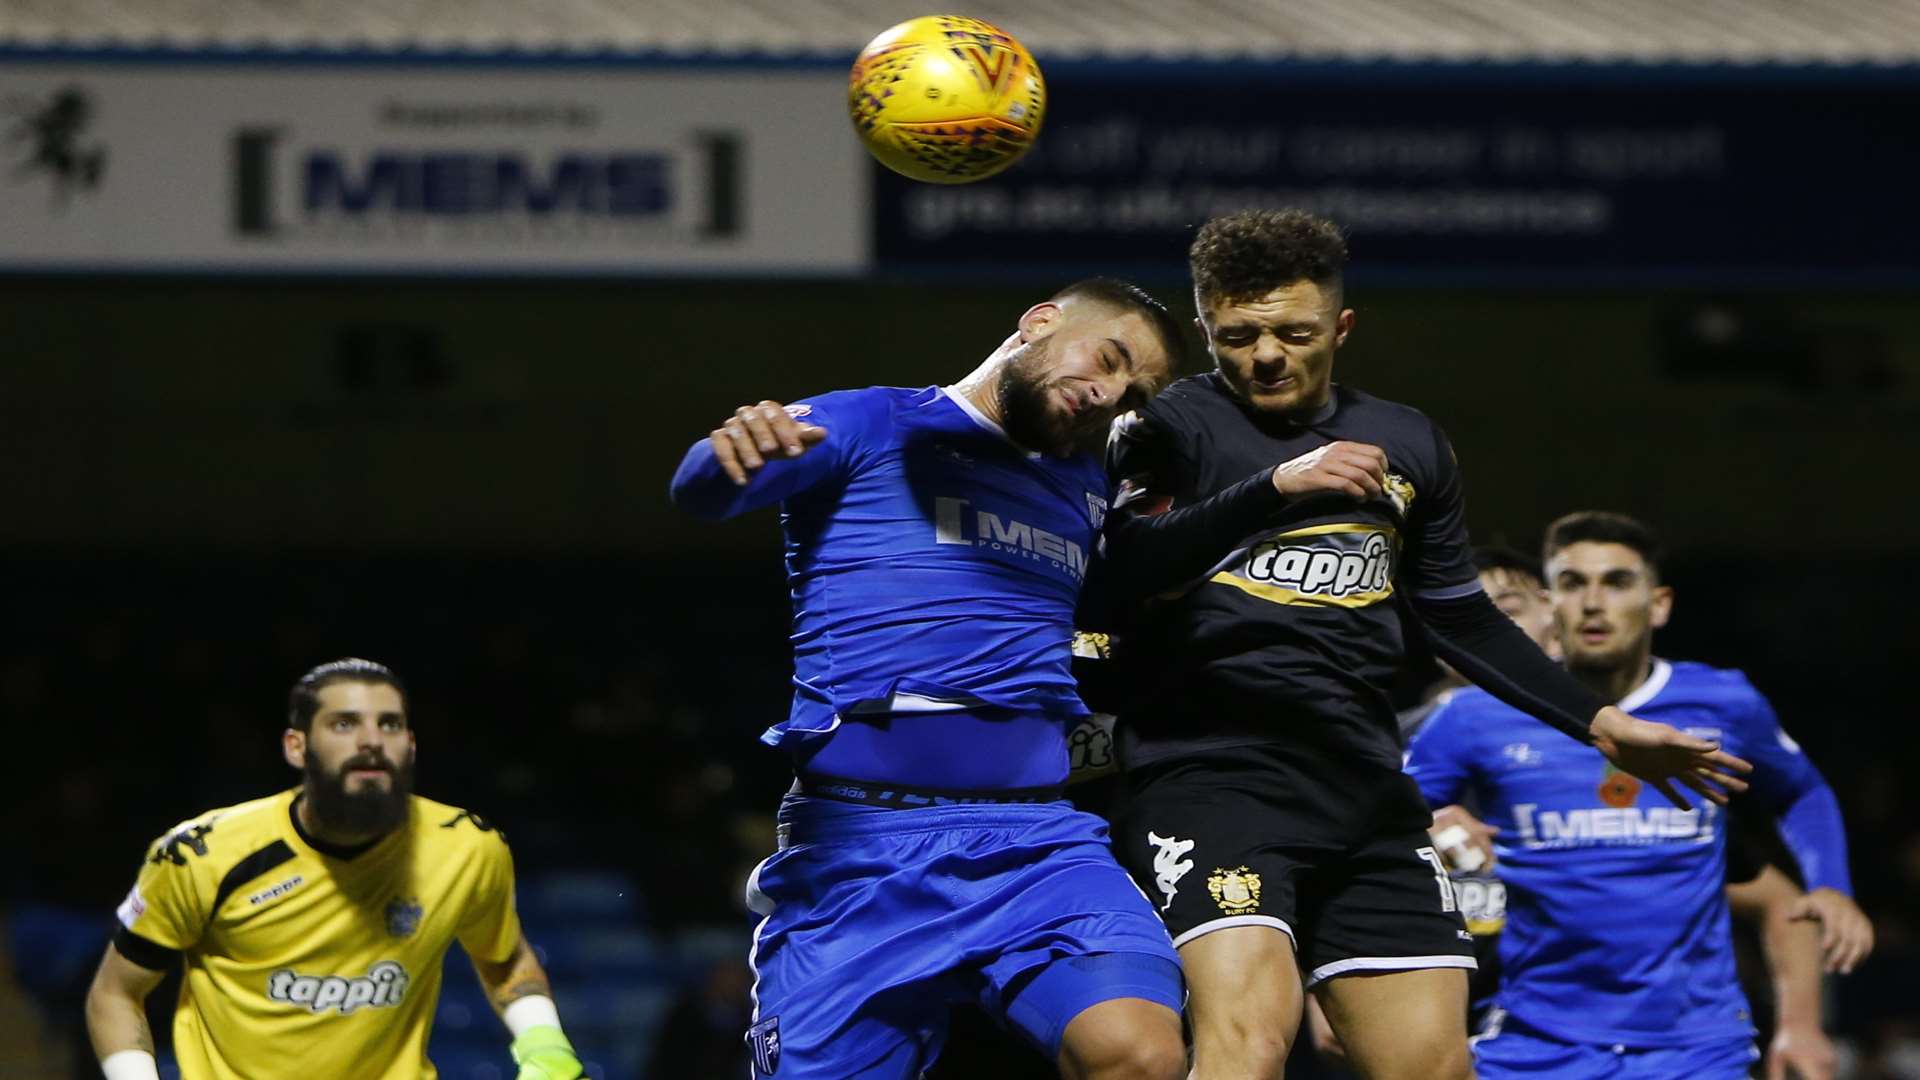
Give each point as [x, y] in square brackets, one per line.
[211, 481]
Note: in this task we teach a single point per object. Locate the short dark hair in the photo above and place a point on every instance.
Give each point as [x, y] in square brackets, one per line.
[1605, 527]
[1249, 254]
[1130, 297]
[303, 701]
[1490, 557]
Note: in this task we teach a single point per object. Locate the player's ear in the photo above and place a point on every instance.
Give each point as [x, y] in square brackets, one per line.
[293, 747]
[1342, 326]
[1662, 606]
[1039, 321]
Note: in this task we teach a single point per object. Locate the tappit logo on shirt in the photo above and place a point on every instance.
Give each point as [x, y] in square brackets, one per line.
[384, 986]
[1345, 565]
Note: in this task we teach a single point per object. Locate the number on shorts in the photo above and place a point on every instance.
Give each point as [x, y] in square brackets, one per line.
[1439, 875]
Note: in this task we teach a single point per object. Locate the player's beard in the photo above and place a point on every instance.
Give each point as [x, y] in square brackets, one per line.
[368, 810]
[1027, 405]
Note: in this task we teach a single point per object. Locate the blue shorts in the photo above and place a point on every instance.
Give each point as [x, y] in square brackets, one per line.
[1507, 1047]
[875, 921]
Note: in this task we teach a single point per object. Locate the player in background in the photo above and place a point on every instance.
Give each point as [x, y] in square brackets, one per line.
[313, 923]
[1272, 529]
[936, 544]
[1647, 989]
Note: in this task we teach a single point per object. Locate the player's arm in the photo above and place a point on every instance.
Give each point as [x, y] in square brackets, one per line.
[1153, 545]
[757, 457]
[1792, 951]
[523, 997]
[117, 1017]
[1480, 642]
[1808, 814]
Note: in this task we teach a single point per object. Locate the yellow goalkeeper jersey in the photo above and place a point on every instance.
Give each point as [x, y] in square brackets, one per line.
[307, 960]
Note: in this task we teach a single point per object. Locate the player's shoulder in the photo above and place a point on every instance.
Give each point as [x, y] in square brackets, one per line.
[1727, 688]
[1468, 705]
[446, 826]
[214, 841]
[1374, 410]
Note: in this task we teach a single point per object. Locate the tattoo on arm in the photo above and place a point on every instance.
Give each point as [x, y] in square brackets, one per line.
[524, 988]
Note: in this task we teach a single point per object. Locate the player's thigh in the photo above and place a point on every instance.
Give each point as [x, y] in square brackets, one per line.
[1401, 1025]
[1243, 993]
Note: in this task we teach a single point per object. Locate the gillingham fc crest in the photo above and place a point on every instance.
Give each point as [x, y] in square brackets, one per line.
[765, 1039]
[1236, 890]
[403, 918]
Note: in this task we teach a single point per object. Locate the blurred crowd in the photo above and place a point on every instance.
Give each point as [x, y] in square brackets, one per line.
[604, 713]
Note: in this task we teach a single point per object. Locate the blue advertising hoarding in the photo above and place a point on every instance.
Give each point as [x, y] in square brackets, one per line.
[1530, 173]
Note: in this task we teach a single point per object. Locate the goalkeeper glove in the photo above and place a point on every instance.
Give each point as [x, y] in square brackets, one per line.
[543, 1053]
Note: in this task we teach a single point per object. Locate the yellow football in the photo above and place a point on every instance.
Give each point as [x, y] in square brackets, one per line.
[946, 99]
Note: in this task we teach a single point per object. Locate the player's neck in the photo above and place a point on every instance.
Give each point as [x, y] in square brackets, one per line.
[1614, 683]
[981, 388]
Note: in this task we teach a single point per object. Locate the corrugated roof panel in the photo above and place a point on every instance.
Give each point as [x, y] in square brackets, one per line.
[1739, 31]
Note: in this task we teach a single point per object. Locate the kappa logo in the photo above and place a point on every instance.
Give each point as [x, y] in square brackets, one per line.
[1168, 866]
[384, 986]
[277, 891]
[1522, 755]
[192, 838]
[765, 1040]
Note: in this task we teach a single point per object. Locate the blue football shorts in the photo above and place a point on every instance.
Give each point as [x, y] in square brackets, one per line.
[875, 921]
[1507, 1047]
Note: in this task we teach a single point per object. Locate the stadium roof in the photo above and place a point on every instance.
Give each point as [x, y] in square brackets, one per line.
[1631, 31]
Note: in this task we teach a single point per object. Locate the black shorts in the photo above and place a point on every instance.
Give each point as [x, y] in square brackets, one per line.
[1337, 857]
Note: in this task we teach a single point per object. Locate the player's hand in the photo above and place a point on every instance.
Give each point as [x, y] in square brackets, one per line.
[1465, 840]
[1802, 1051]
[1846, 934]
[755, 433]
[1347, 468]
[543, 1053]
[1664, 756]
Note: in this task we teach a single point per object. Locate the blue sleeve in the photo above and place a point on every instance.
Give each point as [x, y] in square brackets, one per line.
[1440, 757]
[701, 487]
[1809, 814]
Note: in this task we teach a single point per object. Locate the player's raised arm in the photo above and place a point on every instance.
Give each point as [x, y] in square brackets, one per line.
[117, 1017]
[1153, 543]
[758, 456]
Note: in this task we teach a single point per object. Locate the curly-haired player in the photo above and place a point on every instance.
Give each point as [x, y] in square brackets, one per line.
[1272, 532]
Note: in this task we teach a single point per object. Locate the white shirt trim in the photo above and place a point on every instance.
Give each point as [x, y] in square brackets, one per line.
[955, 395]
[1647, 691]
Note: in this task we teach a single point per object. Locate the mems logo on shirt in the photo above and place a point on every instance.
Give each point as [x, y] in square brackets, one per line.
[957, 521]
[1348, 565]
[382, 987]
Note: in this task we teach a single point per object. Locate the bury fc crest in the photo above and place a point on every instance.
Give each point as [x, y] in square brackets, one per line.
[1236, 890]
[403, 918]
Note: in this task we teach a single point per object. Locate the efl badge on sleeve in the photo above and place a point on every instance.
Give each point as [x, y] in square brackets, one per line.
[765, 1038]
[1236, 890]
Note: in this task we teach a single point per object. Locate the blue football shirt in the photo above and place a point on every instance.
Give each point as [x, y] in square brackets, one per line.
[1617, 928]
[934, 567]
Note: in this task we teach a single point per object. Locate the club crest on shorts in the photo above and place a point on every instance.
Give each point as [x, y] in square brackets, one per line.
[1096, 509]
[1236, 890]
[765, 1039]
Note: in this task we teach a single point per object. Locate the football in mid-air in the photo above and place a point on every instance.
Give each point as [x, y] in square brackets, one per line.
[946, 99]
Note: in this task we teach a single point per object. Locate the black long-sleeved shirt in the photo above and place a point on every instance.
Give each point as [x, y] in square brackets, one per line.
[1249, 617]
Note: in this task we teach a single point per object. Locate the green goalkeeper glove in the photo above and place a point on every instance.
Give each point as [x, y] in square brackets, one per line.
[543, 1053]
